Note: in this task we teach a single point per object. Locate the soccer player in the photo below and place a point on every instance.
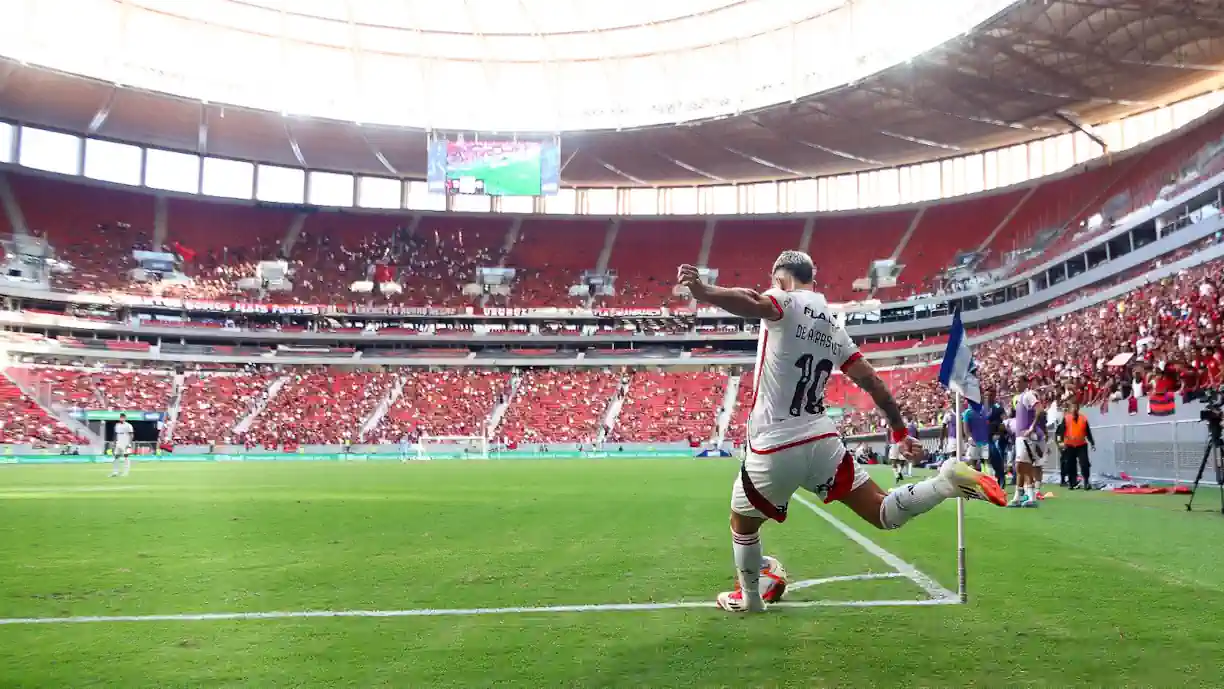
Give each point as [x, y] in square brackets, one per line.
[792, 444]
[898, 462]
[903, 466]
[123, 447]
[998, 437]
[1030, 444]
[947, 432]
[977, 424]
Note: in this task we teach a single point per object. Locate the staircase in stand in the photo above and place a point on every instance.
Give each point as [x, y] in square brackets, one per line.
[274, 389]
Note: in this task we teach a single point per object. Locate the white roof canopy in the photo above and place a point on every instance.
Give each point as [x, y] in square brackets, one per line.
[492, 65]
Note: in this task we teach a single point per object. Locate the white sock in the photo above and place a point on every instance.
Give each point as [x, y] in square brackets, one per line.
[115, 465]
[1019, 492]
[127, 464]
[907, 502]
[747, 549]
[1030, 492]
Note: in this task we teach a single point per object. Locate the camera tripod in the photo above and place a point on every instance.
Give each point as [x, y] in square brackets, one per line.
[1214, 452]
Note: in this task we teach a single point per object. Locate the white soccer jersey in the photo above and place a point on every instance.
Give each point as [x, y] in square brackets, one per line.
[797, 353]
[123, 434]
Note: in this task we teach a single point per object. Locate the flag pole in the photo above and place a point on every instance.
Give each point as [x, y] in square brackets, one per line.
[962, 589]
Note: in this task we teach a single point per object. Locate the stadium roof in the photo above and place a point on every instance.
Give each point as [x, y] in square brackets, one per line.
[1040, 67]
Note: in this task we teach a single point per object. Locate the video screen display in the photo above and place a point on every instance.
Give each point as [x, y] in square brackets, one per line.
[496, 168]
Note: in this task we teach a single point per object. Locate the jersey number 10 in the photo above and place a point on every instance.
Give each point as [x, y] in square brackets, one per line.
[809, 391]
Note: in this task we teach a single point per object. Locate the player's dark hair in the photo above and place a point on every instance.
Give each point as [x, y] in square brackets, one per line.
[797, 263]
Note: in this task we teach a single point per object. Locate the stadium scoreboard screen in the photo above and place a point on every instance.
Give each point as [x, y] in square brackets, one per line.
[496, 168]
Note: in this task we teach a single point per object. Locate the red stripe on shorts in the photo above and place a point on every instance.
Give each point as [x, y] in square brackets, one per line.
[759, 501]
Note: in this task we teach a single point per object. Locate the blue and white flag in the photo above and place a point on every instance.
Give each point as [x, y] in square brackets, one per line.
[959, 371]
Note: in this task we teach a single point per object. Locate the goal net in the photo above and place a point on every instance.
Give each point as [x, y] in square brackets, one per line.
[452, 447]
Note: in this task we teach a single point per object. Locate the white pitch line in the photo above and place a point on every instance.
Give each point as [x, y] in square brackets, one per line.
[806, 583]
[933, 588]
[453, 612]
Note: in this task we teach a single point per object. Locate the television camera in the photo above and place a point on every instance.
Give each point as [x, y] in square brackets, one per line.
[1213, 415]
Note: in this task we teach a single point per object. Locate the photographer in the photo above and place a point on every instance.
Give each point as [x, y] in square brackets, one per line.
[1074, 437]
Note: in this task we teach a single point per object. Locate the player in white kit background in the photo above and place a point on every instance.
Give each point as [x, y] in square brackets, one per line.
[123, 447]
[792, 444]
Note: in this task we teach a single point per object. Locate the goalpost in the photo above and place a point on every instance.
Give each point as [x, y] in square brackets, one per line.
[451, 447]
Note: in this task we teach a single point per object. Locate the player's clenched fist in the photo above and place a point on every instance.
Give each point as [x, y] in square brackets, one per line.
[687, 275]
[911, 449]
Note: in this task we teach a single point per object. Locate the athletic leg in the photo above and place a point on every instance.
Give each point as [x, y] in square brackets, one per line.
[835, 477]
[762, 490]
[894, 509]
[747, 551]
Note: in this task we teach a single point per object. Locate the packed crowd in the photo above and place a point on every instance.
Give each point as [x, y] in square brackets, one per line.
[212, 405]
[319, 406]
[456, 401]
[556, 406]
[671, 407]
[1166, 335]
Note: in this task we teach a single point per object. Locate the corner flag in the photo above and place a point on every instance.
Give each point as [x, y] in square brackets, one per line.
[959, 372]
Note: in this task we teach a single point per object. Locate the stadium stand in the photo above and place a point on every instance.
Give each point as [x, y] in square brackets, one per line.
[558, 406]
[944, 231]
[92, 228]
[743, 250]
[23, 422]
[843, 247]
[1053, 218]
[644, 258]
[336, 249]
[221, 243]
[550, 256]
[319, 406]
[450, 402]
[213, 404]
[443, 254]
[671, 407]
[110, 389]
[95, 228]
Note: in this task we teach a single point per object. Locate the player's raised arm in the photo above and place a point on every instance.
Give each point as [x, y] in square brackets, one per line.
[864, 375]
[740, 301]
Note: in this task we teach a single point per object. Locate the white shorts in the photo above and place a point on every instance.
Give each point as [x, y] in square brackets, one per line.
[123, 449]
[1029, 451]
[950, 446]
[823, 467]
[981, 452]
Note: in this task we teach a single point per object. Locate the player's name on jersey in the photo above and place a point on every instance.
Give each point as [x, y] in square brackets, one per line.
[818, 335]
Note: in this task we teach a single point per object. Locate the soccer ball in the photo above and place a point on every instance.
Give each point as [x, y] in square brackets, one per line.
[773, 579]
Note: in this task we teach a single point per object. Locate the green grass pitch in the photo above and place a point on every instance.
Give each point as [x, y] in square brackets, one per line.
[1089, 590]
[519, 177]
